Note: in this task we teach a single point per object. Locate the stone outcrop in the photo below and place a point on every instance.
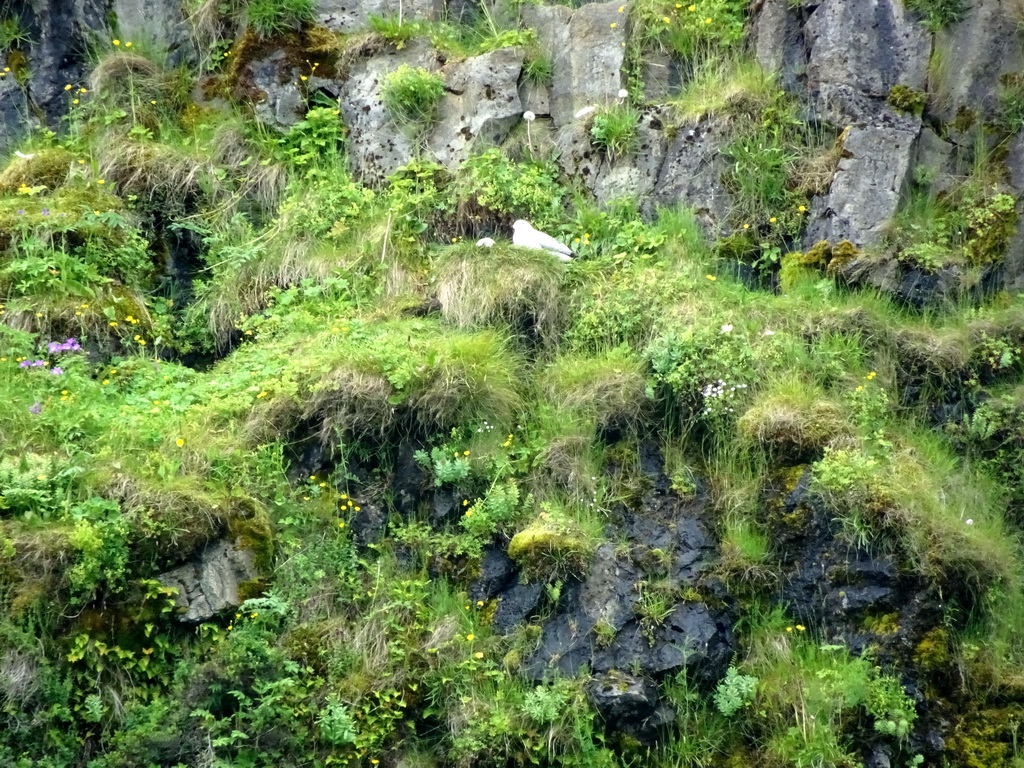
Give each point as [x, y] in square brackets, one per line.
[481, 103]
[209, 583]
[353, 15]
[586, 46]
[867, 185]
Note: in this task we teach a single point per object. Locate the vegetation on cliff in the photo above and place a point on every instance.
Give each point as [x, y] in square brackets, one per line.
[446, 467]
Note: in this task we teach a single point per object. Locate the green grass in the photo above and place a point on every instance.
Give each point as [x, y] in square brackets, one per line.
[354, 328]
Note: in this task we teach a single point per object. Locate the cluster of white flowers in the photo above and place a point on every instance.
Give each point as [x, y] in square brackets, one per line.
[719, 392]
[485, 428]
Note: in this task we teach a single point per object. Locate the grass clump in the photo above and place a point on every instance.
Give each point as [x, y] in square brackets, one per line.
[938, 14]
[605, 390]
[556, 544]
[268, 18]
[514, 286]
[412, 95]
[614, 130]
[793, 420]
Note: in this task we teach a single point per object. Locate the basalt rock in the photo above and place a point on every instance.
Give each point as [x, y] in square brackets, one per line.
[481, 104]
[209, 584]
[692, 175]
[606, 622]
[587, 52]
[632, 175]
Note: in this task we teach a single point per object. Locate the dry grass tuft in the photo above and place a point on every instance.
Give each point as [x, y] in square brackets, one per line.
[121, 71]
[350, 401]
[149, 170]
[520, 288]
[794, 422]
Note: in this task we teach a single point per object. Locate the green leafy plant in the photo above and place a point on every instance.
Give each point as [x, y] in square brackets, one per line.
[937, 14]
[734, 692]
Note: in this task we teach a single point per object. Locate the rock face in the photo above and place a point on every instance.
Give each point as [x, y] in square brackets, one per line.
[376, 146]
[867, 186]
[587, 54]
[633, 175]
[353, 15]
[973, 54]
[692, 174]
[209, 584]
[481, 104]
[156, 22]
[859, 51]
[614, 621]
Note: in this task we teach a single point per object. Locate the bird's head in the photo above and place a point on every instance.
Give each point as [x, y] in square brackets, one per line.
[520, 225]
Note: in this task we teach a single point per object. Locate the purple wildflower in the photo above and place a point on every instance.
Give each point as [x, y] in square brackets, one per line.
[45, 212]
[31, 363]
[21, 211]
[36, 408]
[68, 346]
[56, 370]
[24, 364]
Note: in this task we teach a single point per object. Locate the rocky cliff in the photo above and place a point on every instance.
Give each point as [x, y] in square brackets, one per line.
[297, 475]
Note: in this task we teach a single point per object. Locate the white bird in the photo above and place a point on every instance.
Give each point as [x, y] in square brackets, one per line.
[485, 242]
[23, 156]
[525, 236]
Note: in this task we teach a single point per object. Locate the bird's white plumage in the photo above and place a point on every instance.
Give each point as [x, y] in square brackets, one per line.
[23, 156]
[485, 242]
[525, 236]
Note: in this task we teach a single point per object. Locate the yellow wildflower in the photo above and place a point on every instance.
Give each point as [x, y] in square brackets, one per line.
[179, 442]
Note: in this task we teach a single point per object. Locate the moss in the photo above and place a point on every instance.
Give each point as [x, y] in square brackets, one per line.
[907, 99]
[45, 168]
[739, 246]
[985, 739]
[932, 652]
[552, 546]
[312, 49]
[963, 120]
[249, 524]
[821, 256]
[881, 624]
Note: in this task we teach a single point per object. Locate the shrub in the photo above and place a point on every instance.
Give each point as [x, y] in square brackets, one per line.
[274, 17]
[412, 94]
[614, 130]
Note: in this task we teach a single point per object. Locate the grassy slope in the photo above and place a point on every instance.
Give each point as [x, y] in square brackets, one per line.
[526, 379]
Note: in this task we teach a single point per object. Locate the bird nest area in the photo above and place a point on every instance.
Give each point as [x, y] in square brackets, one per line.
[504, 284]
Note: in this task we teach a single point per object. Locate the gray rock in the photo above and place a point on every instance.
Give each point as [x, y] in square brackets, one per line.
[481, 104]
[863, 49]
[353, 15]
[209, 584]
[15, 118]
[535, 98]
[779, 41]
[376, 146]
[515, 606]
[936, 160]
[586, 51]
[692, 175]
[157, 22]
[662, 77]
[975, 53]
[866, 189]
[629, 703]
[282, 103]
[691, 638]
[632, 175]
[369, 523]
[61, 32]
